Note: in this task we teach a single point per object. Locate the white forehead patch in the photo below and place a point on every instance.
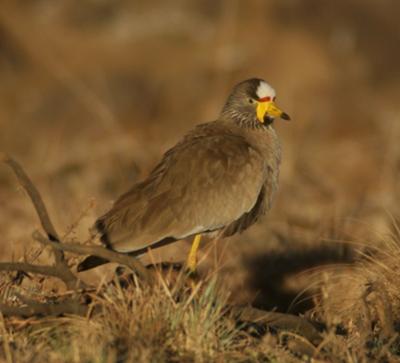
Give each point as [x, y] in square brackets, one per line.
[265, 90]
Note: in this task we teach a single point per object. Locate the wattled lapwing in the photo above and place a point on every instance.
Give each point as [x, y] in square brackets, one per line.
[220, 178]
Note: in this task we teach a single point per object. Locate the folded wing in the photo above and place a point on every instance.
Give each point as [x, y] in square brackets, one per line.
[205, 183]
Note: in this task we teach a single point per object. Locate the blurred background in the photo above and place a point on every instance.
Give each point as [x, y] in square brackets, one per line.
[92, 92]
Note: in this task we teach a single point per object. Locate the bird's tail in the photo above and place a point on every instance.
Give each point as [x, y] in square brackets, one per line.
[91, 262]
[94, 261]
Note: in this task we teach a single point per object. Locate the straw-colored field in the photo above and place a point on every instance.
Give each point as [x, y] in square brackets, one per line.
[93, 92]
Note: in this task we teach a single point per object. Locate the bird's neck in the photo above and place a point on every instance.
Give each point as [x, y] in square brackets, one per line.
[247, 121]
[262, 136]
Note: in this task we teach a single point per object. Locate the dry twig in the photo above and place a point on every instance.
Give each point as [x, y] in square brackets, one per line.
[99, 251]
[60, 269]
[46, 309]
[279, 321]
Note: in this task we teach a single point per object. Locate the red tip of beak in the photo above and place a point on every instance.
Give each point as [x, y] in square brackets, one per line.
[264, 99]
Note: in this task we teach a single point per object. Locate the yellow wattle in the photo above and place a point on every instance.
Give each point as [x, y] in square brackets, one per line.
[261, 110]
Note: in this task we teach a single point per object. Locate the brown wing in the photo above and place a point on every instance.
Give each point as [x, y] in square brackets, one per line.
[264, 202]
[206, 182]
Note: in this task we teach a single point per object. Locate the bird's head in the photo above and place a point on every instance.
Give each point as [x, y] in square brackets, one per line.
[253, 100]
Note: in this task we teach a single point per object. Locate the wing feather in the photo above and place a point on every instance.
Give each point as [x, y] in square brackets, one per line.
[206, 182]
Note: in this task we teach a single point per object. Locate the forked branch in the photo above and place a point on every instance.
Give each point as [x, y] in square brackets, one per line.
[36, 199]
[60, 269]
[99, 251]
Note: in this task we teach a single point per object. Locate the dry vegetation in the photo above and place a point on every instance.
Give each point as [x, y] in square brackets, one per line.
[92, 92]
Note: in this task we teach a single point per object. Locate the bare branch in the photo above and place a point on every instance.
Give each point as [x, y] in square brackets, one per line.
[279, 321]
[61, 269]
[46, 309]
[123, 259]
[36, 199]
[27, 267]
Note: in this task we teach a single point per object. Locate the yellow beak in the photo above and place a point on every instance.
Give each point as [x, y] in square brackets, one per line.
[271, 110]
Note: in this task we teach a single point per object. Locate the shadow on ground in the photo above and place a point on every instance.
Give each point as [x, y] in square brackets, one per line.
[273, 276]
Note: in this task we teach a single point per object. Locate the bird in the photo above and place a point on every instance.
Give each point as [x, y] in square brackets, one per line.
[218, 180]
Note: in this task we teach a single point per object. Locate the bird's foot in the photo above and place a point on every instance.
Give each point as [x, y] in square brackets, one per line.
[191, 266]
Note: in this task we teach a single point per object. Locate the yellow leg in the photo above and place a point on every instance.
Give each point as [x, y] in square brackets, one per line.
[192, 258]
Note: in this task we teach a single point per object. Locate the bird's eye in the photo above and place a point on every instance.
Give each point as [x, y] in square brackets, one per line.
[251, 100]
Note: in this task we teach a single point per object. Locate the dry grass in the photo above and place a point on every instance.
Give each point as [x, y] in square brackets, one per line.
[356, 309]
[93, 92]
[134, 324]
